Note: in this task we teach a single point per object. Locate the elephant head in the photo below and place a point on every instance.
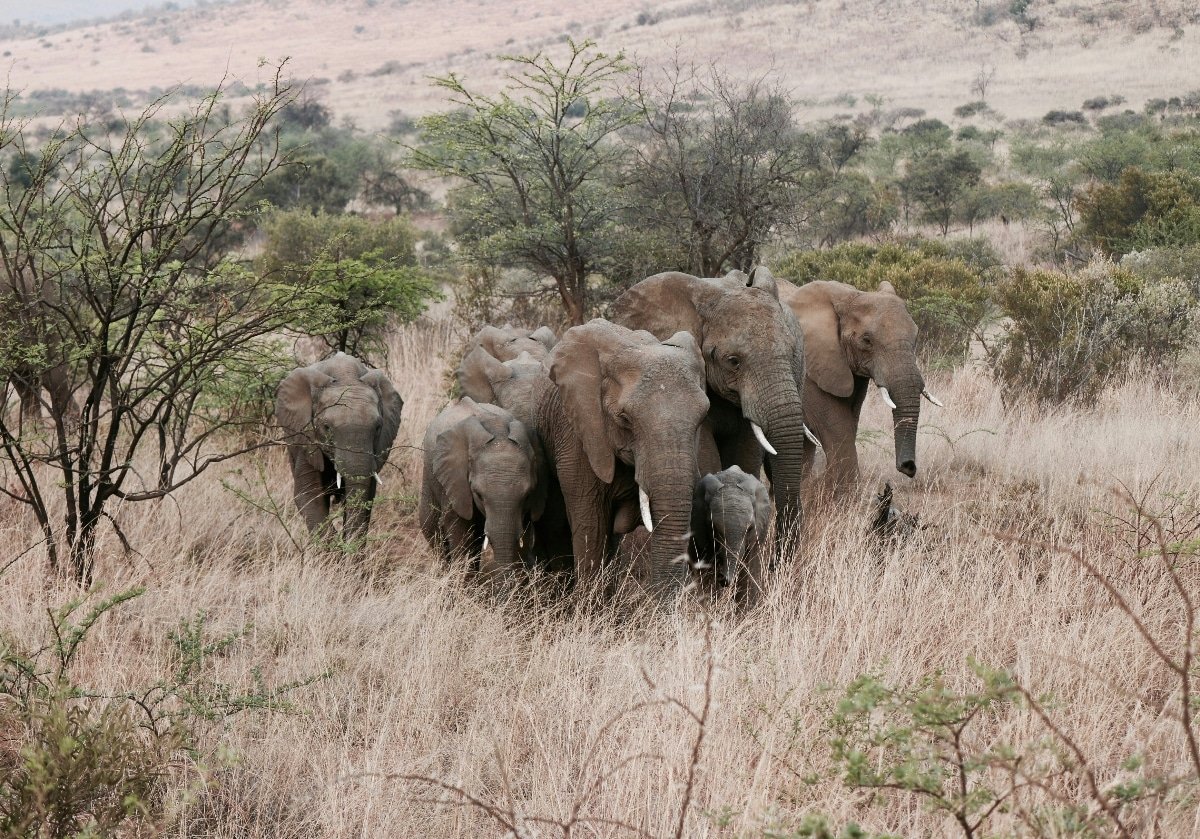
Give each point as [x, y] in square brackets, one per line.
[488, 461]
[753, 355]
[730, 514]
[870, 335]
[340, 419]
[632, 400]
[504, 343]
[509, 384]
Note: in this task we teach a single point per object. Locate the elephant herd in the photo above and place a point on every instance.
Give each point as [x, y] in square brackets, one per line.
[658, 422]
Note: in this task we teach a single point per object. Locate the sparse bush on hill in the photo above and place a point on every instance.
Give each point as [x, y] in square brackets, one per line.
[945, 290]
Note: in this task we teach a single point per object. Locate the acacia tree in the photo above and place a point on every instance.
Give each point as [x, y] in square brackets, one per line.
[146, 349]
[721, 165]
[536, 163]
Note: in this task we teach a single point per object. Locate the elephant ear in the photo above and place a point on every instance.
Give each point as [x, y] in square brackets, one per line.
[545, 336]
[294, 411]
[477, 372]
[665, 304]
[452, 463]
[491, 338]
[685, 342]
[887, 288]
[824, 361]
[761, 277]
[575, 370]
[762, 509]
[390, 408]
[520, 434]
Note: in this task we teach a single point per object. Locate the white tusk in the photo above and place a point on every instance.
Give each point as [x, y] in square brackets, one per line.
[339, 479]
[812, 437]
[887, 397]
[702, 565]
[644, 503]
[762, 438]
[521, 541]
[378, 480]
[932, 398]
[485, 541]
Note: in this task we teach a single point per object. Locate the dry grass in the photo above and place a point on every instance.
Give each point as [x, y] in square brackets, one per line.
[527, 707]
[916, 53]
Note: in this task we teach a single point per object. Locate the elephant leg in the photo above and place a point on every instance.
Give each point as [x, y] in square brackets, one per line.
[461, 539]
[309, 494]
[752, 577]
[708, 455]
[590, 534]
[31, 411]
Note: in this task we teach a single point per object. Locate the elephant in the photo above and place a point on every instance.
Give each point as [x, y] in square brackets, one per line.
[508, 384]
[853, 338]
[753, 353]
[484, 480]
[23, 304]
[340, 419]
[505, 343]
[731, 512]
[619, 416]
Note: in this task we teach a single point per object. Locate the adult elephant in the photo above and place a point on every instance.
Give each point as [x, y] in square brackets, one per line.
[753, 353]
[851, 339]
[340, 419]
[505, 343]
[619, 415]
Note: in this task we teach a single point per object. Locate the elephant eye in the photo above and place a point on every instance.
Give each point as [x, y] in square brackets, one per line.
[623, 419]
[866, 338]
[733, 361]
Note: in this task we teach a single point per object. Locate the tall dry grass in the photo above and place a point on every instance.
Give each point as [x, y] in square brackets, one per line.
[544, 712]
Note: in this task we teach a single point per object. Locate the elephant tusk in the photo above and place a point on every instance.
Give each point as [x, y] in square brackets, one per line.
[378, 480]
[485, 541]
[644, 503]
[762, 438]
[887, 397]
[812, 437]
[339, 479]
[702, 565]
[932, 398]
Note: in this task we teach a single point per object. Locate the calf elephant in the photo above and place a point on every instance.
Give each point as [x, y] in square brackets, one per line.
[730, 515]
[340, 419]
[853, 338]
[504, 343]
[484, 479]
[753, 353]
[619, 416]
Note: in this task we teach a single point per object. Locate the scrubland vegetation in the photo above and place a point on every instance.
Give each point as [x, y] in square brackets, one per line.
[177, 657]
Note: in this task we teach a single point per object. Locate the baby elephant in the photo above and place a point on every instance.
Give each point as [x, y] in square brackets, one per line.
[484, 481]
[730, 513]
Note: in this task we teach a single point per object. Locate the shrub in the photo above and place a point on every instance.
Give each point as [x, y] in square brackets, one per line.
[971, 109]
[943, 284]
[1057, 117]
[1071, 334]
[1143, 210]
[360, 274]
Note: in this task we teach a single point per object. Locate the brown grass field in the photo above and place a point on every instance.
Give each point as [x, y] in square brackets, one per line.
[528, 707]
[370, 57]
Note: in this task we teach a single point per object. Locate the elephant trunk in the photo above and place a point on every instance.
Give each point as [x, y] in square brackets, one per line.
[776, 407]
[670, 493]
[730, 548]
[504, 526]
[357, 471]
[904, 385]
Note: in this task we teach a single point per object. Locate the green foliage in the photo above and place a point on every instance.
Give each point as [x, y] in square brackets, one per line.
[943, 285]
[1071, 334]
[1059, 117]
[1143, 210]
[79, 762]
[360, 275]
[939, 182]
[538, 187]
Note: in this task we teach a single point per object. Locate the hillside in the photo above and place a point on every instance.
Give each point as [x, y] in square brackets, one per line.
[372, 57]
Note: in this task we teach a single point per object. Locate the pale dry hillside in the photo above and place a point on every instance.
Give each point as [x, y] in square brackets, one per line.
[371, 57]
[528, 707]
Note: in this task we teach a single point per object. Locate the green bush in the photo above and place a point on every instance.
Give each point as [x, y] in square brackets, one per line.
[1143, 210]
[361, 274]
[943, 284]
[1071, 334]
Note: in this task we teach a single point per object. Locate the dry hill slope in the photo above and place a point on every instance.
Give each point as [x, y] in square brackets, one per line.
[370, 57]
